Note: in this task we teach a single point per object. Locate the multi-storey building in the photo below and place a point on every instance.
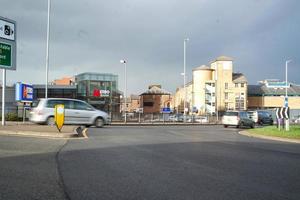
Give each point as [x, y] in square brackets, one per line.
[214, 88]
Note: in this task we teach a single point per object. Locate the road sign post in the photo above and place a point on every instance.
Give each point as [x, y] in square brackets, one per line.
[283, 114]
[8, 48]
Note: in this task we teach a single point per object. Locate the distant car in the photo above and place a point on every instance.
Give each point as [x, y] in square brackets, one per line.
[198, 119]
[296, 119]
[237, 119]
[176, 118]
[261, 117]
[76, 112]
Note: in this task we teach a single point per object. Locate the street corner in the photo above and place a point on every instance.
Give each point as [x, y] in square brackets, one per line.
[40, 131]
[266, 137]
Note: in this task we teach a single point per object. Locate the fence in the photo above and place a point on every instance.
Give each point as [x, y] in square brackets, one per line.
[162, 118]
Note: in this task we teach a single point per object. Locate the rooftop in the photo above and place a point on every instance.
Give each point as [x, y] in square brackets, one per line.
[224, 58]
[156, 90]
[264, 90]
[202, 67]
[239, 78]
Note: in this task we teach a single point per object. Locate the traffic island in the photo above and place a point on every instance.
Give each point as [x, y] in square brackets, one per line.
[273, 133]
[33, 130]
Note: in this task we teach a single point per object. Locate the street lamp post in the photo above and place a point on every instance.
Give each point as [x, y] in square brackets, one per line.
[184, 77]
[125, 92]
[287, 121]
[47, 49]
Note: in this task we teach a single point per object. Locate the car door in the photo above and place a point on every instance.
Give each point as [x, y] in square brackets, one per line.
[82, 112]
[246, 119]
[51, 108]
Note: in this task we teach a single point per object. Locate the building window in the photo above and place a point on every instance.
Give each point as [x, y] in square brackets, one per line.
[212, 94]
[242, 84]
[213, 104]
[239, 103]
[212, 85]
[236, 85]
[226, 106]
[149, 104]
[226, 85]
[226, 95]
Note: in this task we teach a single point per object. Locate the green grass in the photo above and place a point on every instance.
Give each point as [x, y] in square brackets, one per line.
[294, 132]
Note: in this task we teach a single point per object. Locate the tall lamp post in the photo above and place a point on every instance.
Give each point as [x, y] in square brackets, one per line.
[47, 49]
[184, 77]
[125, 92]
[286, 100]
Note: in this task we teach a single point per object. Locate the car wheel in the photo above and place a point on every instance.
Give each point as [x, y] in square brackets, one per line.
[225, 126]
[50, 121]
[99, 122]
[252, 125]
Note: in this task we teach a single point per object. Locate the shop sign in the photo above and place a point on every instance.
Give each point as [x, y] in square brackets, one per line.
[24, 92]
[101, 93]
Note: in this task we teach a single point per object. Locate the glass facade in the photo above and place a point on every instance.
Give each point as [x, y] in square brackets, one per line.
[99, 90]
[54, 91]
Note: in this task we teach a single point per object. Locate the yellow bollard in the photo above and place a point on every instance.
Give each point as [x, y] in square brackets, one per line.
[59, 116]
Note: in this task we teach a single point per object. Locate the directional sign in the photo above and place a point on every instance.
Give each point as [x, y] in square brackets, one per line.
[166, 110]
[5, 55]
[8, 46]
[283, 113]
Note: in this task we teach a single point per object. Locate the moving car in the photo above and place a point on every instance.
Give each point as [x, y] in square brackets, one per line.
[238, 119]
[261, 117]
[76, 112]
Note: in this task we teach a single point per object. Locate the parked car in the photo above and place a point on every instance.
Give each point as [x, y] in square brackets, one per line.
[261, 117]
[176, 118]
[296, 119]
[76, 112]
[198, 119]
[237, 118]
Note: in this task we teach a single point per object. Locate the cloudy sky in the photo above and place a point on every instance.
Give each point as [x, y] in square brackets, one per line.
[93, 35]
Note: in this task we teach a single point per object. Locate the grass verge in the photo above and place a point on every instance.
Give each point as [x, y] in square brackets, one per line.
[294, 132]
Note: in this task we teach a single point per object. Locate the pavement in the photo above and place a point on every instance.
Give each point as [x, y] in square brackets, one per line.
[34, 130]
[152, 162]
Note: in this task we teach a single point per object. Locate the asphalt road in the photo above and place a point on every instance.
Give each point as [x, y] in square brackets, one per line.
[150, 163]
[28, 168]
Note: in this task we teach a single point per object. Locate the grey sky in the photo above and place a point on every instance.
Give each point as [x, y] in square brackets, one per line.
[93, 35]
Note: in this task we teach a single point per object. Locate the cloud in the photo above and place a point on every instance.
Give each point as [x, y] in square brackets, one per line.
[94, 35]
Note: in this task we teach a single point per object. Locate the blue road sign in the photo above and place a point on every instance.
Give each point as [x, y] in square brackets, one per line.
[286, 102]
[166, 110]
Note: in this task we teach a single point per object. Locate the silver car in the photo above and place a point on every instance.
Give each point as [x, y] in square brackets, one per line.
[237, 119]
[76, 112]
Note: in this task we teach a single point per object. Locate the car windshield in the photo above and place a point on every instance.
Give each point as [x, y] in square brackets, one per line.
[231, 114]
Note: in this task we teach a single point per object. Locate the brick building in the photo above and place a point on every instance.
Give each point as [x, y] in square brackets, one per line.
[154, 99]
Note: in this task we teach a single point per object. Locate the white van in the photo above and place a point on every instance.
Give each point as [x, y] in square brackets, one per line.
[76, 112]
